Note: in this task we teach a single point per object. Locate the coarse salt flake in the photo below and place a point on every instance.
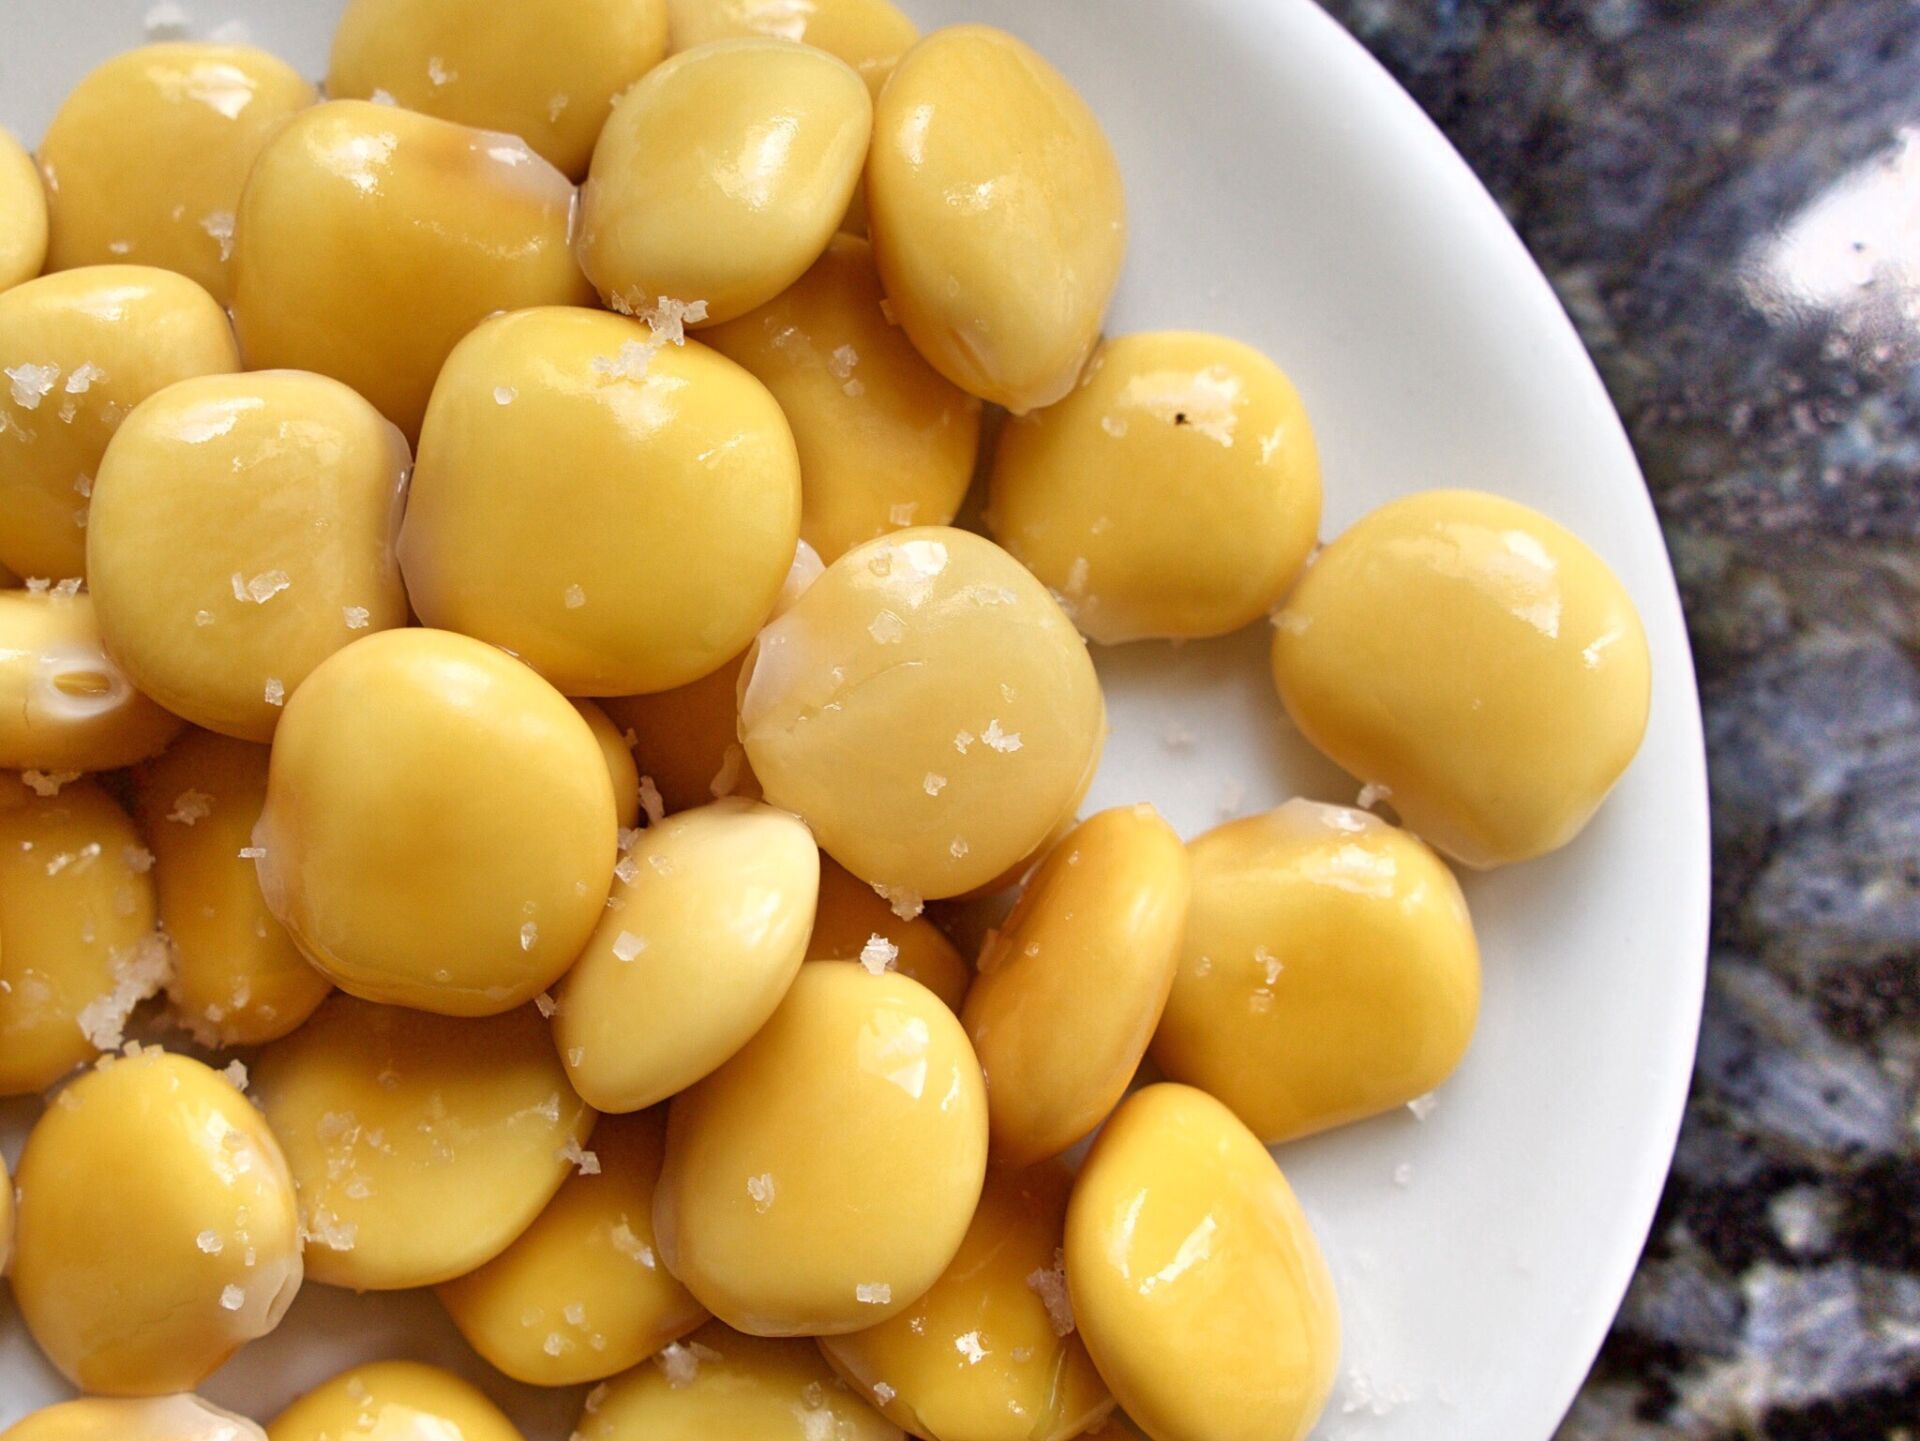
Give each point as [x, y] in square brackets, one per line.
[575, 597]
[48, 783]
[760, 1188]
[357, 617]
[273, 692]
[968, 1344]
[84, 375]
[253, 853]
[438, 73]
[669, 317]
[1050, 1284]
[627, 946]
[933, 783]
[886, 628]
[878, 954]
[232, 1299]
[236, 1074]
[210, 1242]
[505, 395]
[996, 739]
[190, 806]
[586, 1162]
[266, 585]
[1371, 794]
[873, 1293]
[219, 225]
[906, 902]
[1424, 1106]
[546, 1004]
[31, 383]
[529, 933]
[651, 801]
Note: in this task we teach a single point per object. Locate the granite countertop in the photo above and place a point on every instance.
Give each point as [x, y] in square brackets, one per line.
[1727, 197]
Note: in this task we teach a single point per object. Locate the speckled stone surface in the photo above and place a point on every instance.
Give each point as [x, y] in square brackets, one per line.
[1726, 194]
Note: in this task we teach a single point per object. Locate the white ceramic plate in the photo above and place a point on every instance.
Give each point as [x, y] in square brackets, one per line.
[1285, 191]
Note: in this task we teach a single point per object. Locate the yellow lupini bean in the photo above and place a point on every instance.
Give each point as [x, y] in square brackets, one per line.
[621, 769]
[146, 159]
[23, 215]
[393, 1401]
[927, 708]
[655, 548]
[989, 1354]
[548, 73]
[1175, 492]
[77, 949]
[720, 1383]
[64, 705]
[1475, 662]
[1073, 983]
[421, 1146]
[141, 1278]
[1196, 1281]
[371, 239]
[242, 532]
[870, 35]
[439, 828]
[693, 954]
[851, 915]
[581, 1294]
[1329, 970]
[6, 1216]
[78, 351]
[823, 1178]
[159, 1418]
[238, 978]
[721, 176]
[997, 215]
[885, 442]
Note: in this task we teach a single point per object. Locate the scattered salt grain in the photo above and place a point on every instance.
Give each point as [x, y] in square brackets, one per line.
[138, 859]
[138, 972]
[587, 1162]
[38, 585]
[546, 1004]
[628, 1243]
[963, 739]
[958, 847]
[1371, 795]
[555, 106]
[383, 97]
[83, 484]
[873, 1293]
[575, 597]
[219, 225]
[31, 383]
[263, 587]
[878, 954]
[1424, 1106]
[1268, 962]
[627, 869]
[886, 628]
[627, 946]
[842, 361]
[680, 1361]
[210, 1242]
[232, 1299]
[556, 1344]
[651, 801]
[887, 312]
[1050, 1285]
[253, 853]
[438, 73]
[934, 783]
[906, 903]
[760, 1188]
[529, 933]
[203, 617]
[668, 319]
[84, 375]
[999, 740]
[236, 1074]
[67, 589]
[191, 806]
[968, 1345]
[505, 395]
[630, 364]
[727, 779]
[574, 1314]
[883, 1393]
[48, 783]
[357, 617]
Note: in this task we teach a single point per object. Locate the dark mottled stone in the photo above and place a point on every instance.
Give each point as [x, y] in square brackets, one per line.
[1661, 158]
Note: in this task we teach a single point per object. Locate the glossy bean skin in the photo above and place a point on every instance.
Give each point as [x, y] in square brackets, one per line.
[23, 215]
[543, 72]
[581, 1295]
[79, 350]
[242, 532]
[159, 1418]
[870, 35]
[885, 441]
[238, 978]
[997, 215]
[851, 914]
[64, 704]
[147, 156]
[1174, 493]
[439, 826]
[867, 710]
[671, 452]
[393, 1401]
[1196, 1280]
[984, 1356]
[693, 954]
[421, 1146]
[199, 1206]
[1329, 971]
[1475, 661]
[370, 239]
[722, 175]
[1072, 984]
[77, 946]
[721, 1383]
[824, 1177]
